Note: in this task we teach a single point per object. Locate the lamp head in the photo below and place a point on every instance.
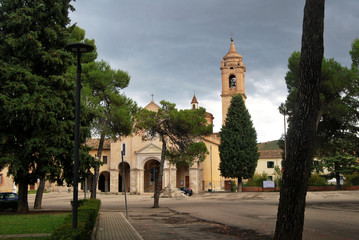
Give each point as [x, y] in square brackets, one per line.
[79, 47]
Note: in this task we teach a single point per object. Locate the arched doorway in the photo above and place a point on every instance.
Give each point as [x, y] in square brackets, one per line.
[104, 182]
[152, 169]
[121, 183]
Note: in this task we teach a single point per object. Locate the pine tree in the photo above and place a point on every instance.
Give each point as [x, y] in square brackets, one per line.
[179, 132]
[114, 111]
[238, 150]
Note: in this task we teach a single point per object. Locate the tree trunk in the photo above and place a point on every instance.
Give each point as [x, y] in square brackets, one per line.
[39, 194]
[96, 174]
[156, 196]
[240, 185]
[23, 206]
[302, 128]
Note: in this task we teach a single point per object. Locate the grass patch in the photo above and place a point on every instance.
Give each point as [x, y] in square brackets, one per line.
[30, 223]
[34, 191]
[31, 238]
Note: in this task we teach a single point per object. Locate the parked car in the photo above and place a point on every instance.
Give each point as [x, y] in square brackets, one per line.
[8, 201]
[186, 190]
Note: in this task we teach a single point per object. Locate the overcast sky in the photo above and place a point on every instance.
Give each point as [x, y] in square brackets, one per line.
[173, 48]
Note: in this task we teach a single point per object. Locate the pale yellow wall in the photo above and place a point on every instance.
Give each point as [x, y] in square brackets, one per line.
[212, 159]
[7, 183]
[262, 166]
[133, 143]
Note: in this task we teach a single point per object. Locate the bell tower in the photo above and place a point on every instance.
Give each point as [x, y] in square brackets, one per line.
[232, 70]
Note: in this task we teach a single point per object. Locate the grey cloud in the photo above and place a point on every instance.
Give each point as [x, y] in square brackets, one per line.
[173, 48]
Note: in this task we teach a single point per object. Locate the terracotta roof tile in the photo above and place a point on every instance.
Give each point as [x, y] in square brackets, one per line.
[269, 154]
[95, 142]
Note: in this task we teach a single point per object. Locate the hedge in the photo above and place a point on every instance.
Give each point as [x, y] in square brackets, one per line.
[317, 180]
[86, 219]
[257, 180]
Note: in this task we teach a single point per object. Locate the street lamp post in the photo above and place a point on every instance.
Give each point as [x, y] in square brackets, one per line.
[77, 48]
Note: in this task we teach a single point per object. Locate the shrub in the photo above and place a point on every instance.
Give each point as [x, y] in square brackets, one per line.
[278, 182]
[86, 218]
[233, 186]
[352, 179]
[257, 180]
[316, 180]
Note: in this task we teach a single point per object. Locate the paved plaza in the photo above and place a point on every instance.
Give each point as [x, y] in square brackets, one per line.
[329, 215]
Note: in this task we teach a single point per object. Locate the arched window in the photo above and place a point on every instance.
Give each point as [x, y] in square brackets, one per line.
[232, 81]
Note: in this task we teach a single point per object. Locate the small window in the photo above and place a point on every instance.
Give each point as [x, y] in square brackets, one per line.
[270, 164]
[1, 178]
[104, 159]
[123, 149]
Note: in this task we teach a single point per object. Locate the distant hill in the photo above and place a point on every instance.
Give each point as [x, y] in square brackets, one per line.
[271, 145]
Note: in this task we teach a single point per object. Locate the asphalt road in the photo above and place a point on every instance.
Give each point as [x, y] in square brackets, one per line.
[329, 215]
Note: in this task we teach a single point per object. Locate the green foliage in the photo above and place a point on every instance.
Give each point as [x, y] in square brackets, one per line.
[36, 100]
[238, 149]
[278, 176]
[340, 163]
[337, 122]
[180, 132]
[337, 95]
[271, 145]
[37, 93]
[180, 128]
[87, 215]
[316, 180]
[354, 53]
[113, 110]
[352, 179]
[257, 180]
[233, 186]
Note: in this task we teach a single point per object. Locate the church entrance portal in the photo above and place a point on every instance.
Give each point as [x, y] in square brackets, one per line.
[104, 182]
[152, 169]
[182, 176]
[121, 183]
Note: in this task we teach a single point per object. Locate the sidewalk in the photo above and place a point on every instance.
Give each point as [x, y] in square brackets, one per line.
[114, 225]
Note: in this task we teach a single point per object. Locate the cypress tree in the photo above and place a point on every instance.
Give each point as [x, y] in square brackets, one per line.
[238, 150]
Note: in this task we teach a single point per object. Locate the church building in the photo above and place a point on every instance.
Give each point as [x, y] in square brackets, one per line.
[142, 158]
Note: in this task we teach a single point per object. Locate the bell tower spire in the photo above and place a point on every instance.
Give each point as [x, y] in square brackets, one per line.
[233, 73]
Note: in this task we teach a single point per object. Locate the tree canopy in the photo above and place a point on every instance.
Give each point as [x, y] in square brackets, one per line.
[238, 149]
[36, 96]
[180, 132]
[338, 117]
